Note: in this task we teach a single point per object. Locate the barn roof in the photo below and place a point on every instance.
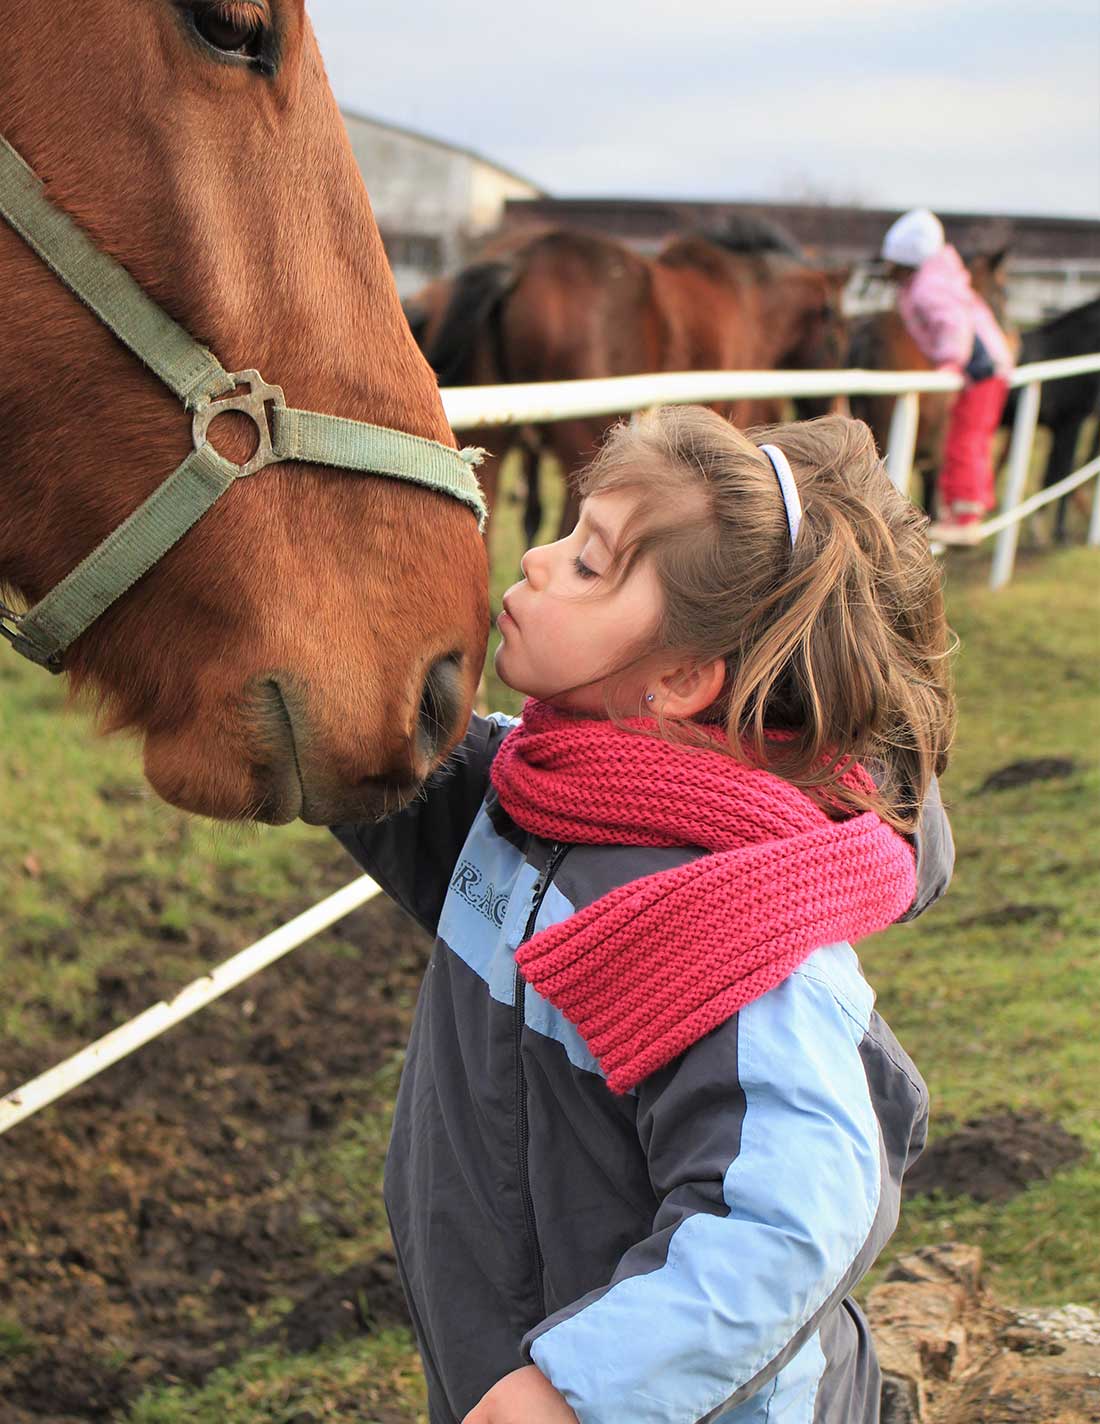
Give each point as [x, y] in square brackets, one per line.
[435, 142]
[843, 232]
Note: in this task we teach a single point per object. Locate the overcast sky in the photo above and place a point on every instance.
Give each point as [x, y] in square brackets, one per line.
[958, 104]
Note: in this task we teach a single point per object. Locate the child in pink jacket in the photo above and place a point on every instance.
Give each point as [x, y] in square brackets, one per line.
[956, 330]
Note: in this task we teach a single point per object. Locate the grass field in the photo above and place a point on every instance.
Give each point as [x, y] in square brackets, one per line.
[993, 992]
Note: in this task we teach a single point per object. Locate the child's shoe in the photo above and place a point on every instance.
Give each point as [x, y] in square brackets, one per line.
[960, 523]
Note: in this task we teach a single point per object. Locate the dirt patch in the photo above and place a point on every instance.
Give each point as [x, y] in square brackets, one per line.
[1042, 916]
[65, 1383]
[150, 1218]
[365, 1297]
[1023, 773]
[992, 1159]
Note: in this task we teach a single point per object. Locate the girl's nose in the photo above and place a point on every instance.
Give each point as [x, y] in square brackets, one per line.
[533, 566]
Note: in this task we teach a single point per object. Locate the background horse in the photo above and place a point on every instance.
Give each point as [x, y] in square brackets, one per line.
[565, 305]
[1064, 406]
[881, 342]
[312, 645]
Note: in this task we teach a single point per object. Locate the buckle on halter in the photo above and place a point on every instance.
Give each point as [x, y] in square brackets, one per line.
[253, 404]
[52, 662]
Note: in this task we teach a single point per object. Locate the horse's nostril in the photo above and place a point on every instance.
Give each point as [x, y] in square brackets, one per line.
[440, 704]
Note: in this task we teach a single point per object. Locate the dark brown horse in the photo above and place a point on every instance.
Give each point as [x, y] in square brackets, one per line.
[564, 305]
[1065, 406]
[881, 342]
[311, 647]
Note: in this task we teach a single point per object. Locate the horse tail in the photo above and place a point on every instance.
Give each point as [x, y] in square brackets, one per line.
[474, 309]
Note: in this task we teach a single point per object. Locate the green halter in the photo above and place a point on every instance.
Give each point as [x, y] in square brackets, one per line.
[197, 378]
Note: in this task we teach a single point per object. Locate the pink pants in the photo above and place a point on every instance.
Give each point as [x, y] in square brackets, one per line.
[966, 476]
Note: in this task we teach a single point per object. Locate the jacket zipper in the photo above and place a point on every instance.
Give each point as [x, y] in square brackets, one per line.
[554, 859]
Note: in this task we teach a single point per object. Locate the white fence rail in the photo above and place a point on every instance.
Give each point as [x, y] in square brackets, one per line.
[472, 407]
[21, 1102]
[477, 407]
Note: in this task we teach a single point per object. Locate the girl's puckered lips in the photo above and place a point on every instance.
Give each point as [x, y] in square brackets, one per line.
[506, 615]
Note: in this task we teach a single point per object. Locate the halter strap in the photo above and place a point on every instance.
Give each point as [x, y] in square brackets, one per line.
[787, 487]
[202, 384]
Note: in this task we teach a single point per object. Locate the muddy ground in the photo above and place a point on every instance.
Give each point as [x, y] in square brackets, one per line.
[992, 1158]
[155, 1224]
[147, 1223]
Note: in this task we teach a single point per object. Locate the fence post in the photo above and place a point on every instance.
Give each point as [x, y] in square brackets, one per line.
[1019, 458]
[902, 439]
[1094, 521]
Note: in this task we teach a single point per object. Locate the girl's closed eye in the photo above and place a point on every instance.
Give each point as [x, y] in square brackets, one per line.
[583, 570]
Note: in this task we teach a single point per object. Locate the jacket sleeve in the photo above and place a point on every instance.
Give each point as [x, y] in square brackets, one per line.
[776, 1193]
[413, 853]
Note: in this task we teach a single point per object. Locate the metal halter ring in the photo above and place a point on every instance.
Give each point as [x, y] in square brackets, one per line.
[253, 405]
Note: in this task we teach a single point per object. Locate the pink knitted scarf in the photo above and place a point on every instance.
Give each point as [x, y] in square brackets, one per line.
[647, 970]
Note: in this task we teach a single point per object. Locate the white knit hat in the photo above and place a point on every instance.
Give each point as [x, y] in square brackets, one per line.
[913, 238]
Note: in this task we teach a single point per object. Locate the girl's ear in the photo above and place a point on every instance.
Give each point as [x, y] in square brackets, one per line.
[686, 689]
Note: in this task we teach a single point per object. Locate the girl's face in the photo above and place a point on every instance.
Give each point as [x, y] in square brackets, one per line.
[567, 630]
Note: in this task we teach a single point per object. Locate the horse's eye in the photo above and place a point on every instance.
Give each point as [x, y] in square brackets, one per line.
[232, 28]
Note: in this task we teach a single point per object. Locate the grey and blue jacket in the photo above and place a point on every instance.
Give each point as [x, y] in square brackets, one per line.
[681, 1253]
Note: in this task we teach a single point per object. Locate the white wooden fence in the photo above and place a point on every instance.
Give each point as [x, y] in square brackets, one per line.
[473, 407]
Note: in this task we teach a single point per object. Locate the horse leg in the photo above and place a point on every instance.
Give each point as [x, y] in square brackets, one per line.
[1063, 447]
[574, 442]
[496, 441]
[933, 417]
[571, 507]
[531, 447]
[929, 478]
[1083, 494]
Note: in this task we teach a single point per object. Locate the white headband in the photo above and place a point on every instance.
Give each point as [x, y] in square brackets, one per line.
[791, 502]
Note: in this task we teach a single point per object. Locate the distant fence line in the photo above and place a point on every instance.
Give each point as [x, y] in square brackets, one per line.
[471, 407]
[537, 403]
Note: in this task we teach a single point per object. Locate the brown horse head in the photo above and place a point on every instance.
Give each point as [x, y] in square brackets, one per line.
[763, 306]
[310, 648]
[803, 325]
[989, 278]
[818, 327]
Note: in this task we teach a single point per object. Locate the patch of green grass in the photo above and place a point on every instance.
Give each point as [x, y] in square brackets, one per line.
[344, 1180]
[993, 991]
[14, 1340]
[92, 866]
[370, 1381]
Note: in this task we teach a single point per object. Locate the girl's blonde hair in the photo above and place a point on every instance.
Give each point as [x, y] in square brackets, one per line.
[839, 643]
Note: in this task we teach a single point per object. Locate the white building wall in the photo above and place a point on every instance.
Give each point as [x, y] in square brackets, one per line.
[432, 201]
[490, 189]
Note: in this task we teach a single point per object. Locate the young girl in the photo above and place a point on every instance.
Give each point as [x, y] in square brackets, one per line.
[651, 1131]
[957, 331]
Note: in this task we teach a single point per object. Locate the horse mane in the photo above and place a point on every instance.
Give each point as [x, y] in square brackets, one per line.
[749, 234]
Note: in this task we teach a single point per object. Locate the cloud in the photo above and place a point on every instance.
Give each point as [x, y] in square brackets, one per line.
[981, 106]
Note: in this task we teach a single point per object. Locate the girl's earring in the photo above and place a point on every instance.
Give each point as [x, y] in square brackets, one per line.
[649, 696]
